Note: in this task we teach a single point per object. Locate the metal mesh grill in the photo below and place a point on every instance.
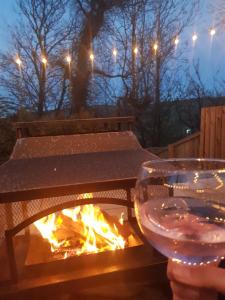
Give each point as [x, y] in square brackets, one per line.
[13, 214]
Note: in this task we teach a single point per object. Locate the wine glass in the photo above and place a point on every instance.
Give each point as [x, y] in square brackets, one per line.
[180, 208]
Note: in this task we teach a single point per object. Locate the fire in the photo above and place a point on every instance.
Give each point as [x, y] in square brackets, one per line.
[47, 226]
[83, 229]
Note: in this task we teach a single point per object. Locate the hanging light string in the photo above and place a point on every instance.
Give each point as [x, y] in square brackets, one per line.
[155, 47]
[68, 59]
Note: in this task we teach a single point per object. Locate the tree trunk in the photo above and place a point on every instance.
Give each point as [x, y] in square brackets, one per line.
[93, 22]
[133, 62]
[157, 106]
[42, 86]
[80, 80]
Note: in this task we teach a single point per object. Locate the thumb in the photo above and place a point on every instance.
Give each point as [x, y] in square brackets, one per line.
[210, 277]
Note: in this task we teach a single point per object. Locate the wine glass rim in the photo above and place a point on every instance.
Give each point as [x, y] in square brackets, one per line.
[149, 164]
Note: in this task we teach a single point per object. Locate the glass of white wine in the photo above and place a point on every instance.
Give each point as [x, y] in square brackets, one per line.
[180, 208]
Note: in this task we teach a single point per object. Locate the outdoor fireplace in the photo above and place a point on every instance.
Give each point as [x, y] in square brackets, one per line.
[58, 238]
[66, 214]
[83, 229]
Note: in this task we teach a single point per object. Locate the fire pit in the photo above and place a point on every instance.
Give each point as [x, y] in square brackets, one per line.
[84, 229]
[67, 214]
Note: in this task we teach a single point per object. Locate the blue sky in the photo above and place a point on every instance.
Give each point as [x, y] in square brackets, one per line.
[7, 17]
[210, 52]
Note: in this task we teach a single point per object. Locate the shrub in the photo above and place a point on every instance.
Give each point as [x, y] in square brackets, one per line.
[7, 139]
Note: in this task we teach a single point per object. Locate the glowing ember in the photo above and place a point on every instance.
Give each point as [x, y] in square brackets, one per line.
[83, 229]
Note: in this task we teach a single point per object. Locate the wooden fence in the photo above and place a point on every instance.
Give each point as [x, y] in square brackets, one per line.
[162, 152]
[187, 147]
[209, 142]
[212, 141]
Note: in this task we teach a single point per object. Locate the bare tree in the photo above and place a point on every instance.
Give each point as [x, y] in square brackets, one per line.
[32, 73]
[147, 34]
[195, 95]
[92, 21]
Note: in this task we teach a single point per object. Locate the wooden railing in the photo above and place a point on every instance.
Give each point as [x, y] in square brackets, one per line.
[74, 126]
[187, 147]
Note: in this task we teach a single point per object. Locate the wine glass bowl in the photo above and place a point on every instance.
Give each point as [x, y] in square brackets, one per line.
[180, 208]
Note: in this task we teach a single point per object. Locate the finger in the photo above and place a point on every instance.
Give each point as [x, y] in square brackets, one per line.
[209, 277]
[185, 292]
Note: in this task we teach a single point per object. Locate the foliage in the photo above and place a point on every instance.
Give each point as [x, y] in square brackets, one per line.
[7, 139]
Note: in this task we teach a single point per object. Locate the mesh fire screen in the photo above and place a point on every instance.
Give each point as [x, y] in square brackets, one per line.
[11, 214]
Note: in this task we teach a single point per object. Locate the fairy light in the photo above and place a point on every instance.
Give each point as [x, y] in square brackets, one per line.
[136, 50]
[18, 61]
[115, 52]
[155, 47]
[44, 60]
[68, 59]
[212, 32]
[196, 177]
[176, 41]
[92, 57]
[194, 37]
[219, 180]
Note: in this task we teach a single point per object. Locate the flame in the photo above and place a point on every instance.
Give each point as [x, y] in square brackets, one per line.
[121, 219]
[47, 226]
[72, 213]
[96, 233]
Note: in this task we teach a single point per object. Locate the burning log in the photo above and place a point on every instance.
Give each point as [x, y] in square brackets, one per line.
[80, 230]
[123, 230]
[74, 234]
[84, 229]
[68, 229]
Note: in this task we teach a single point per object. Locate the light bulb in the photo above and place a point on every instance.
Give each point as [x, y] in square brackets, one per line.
[212, 32]
[115, 52]
[44, 60]
[92, 57]
[177, 41]
[136, 50]
[155, 47]
[18, 61]
[194, 37]
[68, 59]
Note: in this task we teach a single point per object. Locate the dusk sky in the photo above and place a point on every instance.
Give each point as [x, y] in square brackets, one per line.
[210, 52]
[7, 17]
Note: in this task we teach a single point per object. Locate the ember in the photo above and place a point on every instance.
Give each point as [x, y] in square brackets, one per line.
[83, 229]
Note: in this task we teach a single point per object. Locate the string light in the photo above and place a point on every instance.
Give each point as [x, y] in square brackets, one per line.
[115, 52]
[194, 37]
[68, 59]
[44, 60]
[18, 61]
[136, 50]
[155, 47]
[176, 41]
[92, 57]
[212, 32]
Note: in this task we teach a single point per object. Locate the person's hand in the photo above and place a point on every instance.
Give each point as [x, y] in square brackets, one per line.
[195, 283]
